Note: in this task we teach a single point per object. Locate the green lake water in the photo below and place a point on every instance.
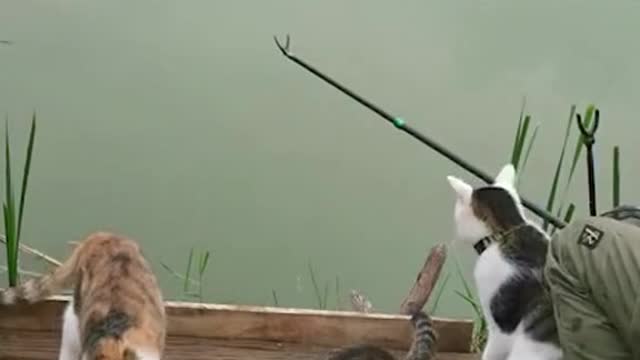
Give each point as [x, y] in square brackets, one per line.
[180, 124]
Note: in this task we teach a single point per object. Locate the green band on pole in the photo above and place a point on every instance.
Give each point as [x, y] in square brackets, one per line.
[399, 122]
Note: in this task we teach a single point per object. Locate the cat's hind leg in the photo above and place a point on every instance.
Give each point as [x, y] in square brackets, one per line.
[70, 347]
[147, 355]
[497, 347]
[525, 348]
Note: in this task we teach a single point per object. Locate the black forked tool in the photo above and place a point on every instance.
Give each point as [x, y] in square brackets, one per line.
[401, 124]
[588, 139]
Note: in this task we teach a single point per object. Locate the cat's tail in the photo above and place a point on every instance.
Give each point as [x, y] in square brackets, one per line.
[424, 338]
[37, 289]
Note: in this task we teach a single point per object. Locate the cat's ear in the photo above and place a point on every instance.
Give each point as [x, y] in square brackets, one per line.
[462, 189]
[506, 176]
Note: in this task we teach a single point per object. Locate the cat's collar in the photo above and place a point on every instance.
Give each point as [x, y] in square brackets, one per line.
[482, 244]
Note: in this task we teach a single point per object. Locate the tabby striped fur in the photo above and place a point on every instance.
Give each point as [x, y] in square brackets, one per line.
[423, 346]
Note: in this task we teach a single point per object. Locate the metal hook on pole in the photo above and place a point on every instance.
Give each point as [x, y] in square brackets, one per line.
[589, 139]
[400, 124]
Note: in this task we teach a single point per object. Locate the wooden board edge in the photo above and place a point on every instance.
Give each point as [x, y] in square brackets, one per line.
[198, 308]
[307, 326]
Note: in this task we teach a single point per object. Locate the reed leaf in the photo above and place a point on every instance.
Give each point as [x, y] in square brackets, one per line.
[527, 153]
[468, 298]
[439, 292]
[176, 274]
[556, 176]
[521, 139]
[516, 139]
[25, 173]
[480, 325]
[569, 214]
[616, 176]
[13, 216]
[468, 294]
[187, 274]
[326, 296]
[204, 261]
[316, 288]
[338, 302]
[12, 266]
[10, 216]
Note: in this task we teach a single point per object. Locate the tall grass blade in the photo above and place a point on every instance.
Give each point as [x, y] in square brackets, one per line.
[26, 171]
[467, 288]
[316, 288]
[338, 302]
[12, 266]
[439, 292]
[556, 176]
[569, 214]
[326, 296]
[472, 302]
[520, 142]
[527, 153]
[518, 131]
[480, 325]
[204, 261]
[176, 274]
[187, 274]
[616, 176]
[10, 216]
[275, 298]
[468, 295]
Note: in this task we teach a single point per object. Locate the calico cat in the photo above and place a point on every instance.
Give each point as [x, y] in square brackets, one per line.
[422, 348]
[509, 269]
[117, 311]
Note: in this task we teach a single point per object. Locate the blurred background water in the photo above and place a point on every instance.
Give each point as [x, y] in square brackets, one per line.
[180, 124]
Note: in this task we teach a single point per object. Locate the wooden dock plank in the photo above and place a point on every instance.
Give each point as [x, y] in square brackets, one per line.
[199, 331]
[44, 346]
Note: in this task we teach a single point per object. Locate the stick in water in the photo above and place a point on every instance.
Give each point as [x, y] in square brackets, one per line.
[34, 252]
[426, 280]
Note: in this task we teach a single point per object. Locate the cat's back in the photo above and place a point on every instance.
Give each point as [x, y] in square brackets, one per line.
[526, 247]
[116, 289]
[114, 264]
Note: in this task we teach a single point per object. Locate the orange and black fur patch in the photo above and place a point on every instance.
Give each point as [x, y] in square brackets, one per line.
[117, 311]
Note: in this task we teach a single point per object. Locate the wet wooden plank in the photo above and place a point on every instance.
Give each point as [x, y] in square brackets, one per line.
[43, 345]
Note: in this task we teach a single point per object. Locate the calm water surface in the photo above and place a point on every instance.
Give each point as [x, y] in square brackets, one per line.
[180, 124]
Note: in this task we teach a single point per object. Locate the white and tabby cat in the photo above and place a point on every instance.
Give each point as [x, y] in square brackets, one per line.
[509, 269]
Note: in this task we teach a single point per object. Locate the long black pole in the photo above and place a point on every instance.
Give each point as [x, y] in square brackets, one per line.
[402, 125]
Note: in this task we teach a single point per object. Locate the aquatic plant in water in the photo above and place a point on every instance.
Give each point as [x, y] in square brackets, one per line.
[13, 216]
[186, 278]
